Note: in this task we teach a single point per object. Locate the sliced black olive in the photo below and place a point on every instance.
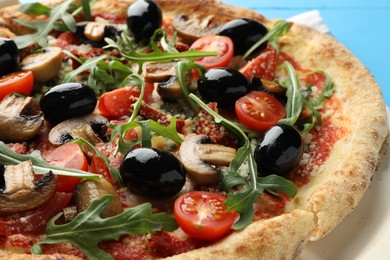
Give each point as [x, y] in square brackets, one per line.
[244, 33]
[152, 172]
[9, 56]
[279, 151]
[66, 101]
[223, 86]
[94, 36]
[143, 18]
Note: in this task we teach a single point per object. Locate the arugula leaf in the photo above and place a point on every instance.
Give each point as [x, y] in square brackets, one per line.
[88, 228]
[280, 28]
[35, 8]
[40, 166]
[295, 99]
[86, 64]
[183, 68]
[127, 50]
[113, 171]
[42, 28]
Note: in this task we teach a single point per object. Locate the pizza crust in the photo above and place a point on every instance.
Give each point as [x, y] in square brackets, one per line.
[346, 174]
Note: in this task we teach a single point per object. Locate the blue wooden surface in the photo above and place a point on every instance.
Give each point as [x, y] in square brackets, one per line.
[361, 25]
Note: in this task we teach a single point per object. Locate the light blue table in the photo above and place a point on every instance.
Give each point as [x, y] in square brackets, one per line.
[361, 25]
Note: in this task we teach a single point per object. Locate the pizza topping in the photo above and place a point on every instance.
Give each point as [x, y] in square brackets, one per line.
[223, 86]
[84, 233]
[258, 110]
[19, 118]
[203, 215]
[221, 44]
[158, 72]
[143, 18]
[19, 82]
[280, 151]
[152, 172]
[245, 33]
[89, 190]
[45, 65]
[170, 89]
[192, 27]
[95, 32]
[68, 129]
[21, 192]
[201, 158]
[68, 100]
[9, 56]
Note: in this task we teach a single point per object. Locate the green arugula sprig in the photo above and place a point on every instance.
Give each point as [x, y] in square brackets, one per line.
[128, 51]
[43, 28]
[248, 188]
[296, 101]
[40, 166]
[88, 228]
[280, 28]
[183, 72]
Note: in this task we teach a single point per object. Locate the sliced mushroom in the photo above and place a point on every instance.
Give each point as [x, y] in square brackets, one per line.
[72, 128]
[44, 65]
[94, 31]
[20, 120]
[273, 87]
[200, 158]
[159, 71]
[22, 192]
[89, 190]
[170, 89]
[192, 27]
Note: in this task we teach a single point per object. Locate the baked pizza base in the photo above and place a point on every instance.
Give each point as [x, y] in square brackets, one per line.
[338, 185]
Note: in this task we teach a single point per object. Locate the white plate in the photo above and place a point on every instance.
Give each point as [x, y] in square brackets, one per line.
[365, 233]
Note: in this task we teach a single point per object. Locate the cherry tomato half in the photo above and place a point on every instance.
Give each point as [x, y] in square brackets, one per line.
[258, 110]
[221, 44]
[117, 103]
[202, 215]
[21, 82]
[68, 155]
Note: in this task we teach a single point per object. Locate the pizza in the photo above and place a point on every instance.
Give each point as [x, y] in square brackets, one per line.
[177, 129]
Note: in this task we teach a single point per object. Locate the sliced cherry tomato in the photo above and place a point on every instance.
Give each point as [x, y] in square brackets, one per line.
[117, 103]
[259, 110]
[68, 155]
[34, 220]
[21, 82]
[221, 44]
[263, 66]
[202, 215]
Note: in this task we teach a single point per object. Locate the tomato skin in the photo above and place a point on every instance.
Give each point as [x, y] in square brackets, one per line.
[259, 111]
[68, 155]
[34, 220]
[202, 215]
[117, 103]
[21, 82]
[221, 44]
[263, 66]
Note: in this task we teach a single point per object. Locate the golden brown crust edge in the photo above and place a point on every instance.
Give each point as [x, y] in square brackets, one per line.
[345, 176]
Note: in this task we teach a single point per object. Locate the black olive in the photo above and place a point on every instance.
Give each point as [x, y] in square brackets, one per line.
[9, 56]
[257, 85]
[152, 172]
[223, 86]
[109, 32]
[280, 150]
[67, 100]
[144, 17]
[244, 33]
